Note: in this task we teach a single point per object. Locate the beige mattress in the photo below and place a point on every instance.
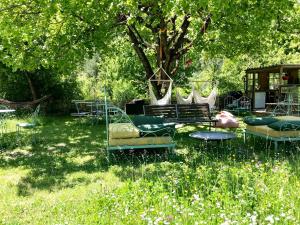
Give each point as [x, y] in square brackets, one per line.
[273, 133]
[140, 141]
[288, 118]
[123, 130]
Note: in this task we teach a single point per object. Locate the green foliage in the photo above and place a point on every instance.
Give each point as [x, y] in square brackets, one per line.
[14, 87]
[118, 71]
[41, 35]
[47, 34]
[123, 92]
[60, 33]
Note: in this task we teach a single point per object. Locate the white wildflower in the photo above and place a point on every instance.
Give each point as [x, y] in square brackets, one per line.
[196, 197]
[158, 219]
[270, 219]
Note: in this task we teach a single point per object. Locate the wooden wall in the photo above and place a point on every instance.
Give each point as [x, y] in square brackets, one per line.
[293, 77]
[263, 81]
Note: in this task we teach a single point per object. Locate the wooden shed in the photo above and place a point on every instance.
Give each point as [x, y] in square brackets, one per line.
[269, 85]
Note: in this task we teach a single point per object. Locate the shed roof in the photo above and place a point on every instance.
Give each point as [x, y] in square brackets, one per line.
[274, 68]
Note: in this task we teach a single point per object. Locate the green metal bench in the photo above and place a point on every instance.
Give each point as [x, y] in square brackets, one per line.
[282, 135]
[237, 106]
[123, 134]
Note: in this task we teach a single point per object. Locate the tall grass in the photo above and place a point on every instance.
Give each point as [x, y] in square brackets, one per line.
[65, 178]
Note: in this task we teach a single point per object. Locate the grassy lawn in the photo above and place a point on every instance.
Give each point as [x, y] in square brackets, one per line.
[64, 177]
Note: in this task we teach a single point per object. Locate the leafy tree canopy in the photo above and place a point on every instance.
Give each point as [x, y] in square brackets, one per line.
[41, 33]
[58, 33]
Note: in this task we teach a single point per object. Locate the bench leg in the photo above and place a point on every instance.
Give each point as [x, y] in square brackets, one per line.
[171, 150]
[276, 145]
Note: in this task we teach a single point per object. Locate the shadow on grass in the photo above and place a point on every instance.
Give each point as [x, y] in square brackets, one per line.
[67, 145]
[63, 146]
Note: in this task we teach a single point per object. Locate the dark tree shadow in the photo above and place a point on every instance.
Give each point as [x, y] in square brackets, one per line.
[67, 145]
[60, 141]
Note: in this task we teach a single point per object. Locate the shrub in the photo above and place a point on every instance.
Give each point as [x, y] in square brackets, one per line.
[123, 92]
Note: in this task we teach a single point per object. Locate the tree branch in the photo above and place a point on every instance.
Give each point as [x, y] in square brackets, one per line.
[206, 24]
[174, 31]
[141, 40]
[184, 29]
[180, 40]
[140, 52]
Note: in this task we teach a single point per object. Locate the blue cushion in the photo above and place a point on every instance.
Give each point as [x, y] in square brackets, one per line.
[140, 120]
[157, 129]
[259, 121]
[285, 125]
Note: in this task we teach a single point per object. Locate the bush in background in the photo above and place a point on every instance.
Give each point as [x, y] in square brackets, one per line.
[14, 86]
[123, 92]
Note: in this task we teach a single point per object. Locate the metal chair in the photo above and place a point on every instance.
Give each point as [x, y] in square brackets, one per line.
[3, 117]
[31, 124]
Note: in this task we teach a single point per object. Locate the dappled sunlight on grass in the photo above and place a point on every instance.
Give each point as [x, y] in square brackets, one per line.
[65, 176]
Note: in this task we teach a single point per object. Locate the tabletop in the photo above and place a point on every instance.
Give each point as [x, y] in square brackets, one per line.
[213, 135]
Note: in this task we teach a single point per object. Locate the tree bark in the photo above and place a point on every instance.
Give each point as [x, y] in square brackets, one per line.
[139, 50]
[31, 86]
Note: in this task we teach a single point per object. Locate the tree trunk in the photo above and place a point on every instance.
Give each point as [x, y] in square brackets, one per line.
[31, 86]
[171, 42]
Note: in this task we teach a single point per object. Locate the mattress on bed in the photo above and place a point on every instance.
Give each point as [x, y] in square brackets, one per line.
[267, 131]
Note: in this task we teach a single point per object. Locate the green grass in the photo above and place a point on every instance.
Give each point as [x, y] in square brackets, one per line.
[64, 177]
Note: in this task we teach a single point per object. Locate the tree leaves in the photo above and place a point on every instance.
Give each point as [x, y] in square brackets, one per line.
[59, 33]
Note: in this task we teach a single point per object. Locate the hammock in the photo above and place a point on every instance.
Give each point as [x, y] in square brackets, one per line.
[28, 104]
[182, 100]
[165, 100]
[211, 99]
[189, 99]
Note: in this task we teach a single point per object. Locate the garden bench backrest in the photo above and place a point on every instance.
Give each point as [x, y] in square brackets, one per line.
[244, 102]
[230, 102]
[193, 111]
[182, 113]
[167, 111]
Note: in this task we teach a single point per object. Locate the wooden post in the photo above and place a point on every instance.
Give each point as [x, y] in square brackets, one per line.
[253, 91]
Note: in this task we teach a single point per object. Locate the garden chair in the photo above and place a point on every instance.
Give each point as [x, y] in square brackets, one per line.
[3, 117]
[31, 124]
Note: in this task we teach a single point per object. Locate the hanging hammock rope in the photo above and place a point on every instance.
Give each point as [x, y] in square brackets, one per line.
[28, 104]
